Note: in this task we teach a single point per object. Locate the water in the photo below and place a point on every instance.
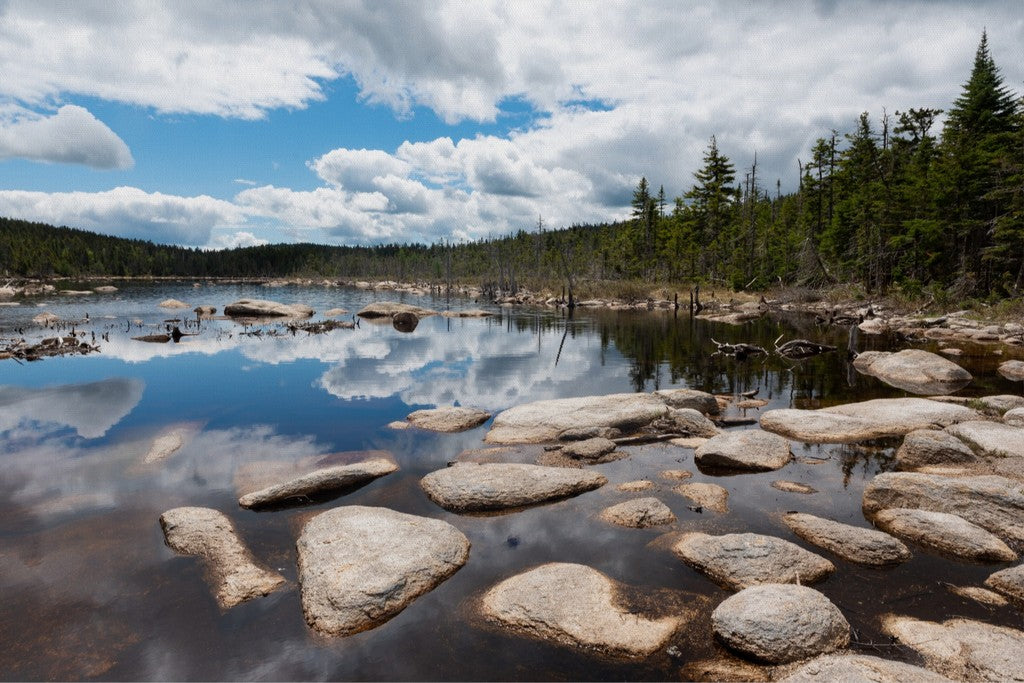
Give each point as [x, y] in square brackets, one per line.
[91, 591]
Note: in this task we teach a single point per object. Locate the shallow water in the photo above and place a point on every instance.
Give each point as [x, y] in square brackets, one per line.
[91, 591]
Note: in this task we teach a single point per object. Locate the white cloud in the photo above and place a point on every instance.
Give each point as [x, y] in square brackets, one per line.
[234, 240]
[125, 211]
[71, 136]
[355, 169]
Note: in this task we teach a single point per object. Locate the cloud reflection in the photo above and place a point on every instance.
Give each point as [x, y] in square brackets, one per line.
[90, 409]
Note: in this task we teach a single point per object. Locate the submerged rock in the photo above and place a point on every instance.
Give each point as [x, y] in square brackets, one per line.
[323, 480]
[468, 313]
[635, 486]
[448, 419]
[866, 420]
[926, 447]
[45, 318]
[945, 533]
[231, 570]
[750, 449]
[710, 496]
[639, 513]
[780, 623]
[466, 487]
[172, 303]
[855, 544]
[962, 649]
[793, 487]
[980, 595]
[261, 308]
[205, 311]
[738, 561]
[993, 439]
[992, 502]
[914, 370]
[861, 669]
[105, 289]
[335, 312]
[360, 566]
[388, 309]
[576, 606]
[1009, 582]
[169, 441]
[589, 449]
[546, 420]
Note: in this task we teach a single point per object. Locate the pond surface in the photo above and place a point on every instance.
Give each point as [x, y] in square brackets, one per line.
[90, 590]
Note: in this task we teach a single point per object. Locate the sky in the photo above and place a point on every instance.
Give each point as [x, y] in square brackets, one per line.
[220, 124]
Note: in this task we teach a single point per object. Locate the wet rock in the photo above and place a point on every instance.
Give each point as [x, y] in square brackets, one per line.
[961, 648]
[692, 422]
[1009, 582]
[675, 474]
[639, 513]
[470, 313]
[388, 309]
[105, 289]
[205, 311]
[914, 370]
[710, 496]
[334, 312]
[232, 571]
[750, 449]
[45, 318]
[793, 487]
[780, 623]
[584, 433]
[261, 308]
[360, 566]
[945, 533]
[1014, 417]
[404, 321]
[546, 420]
[861, 669]
[1012, 369]
[980, 595]
[993, 439]
[467, 487]
[589, 449]
[992, 502]
[866, 420]
[737, 561]
[926, 447]
[320, 481]
[448, 419]
[172, 303]
[576, 606]
[635, 486]
[169, 441]
[700, 401]
[689, 441]
[855, 544]
[724, 669]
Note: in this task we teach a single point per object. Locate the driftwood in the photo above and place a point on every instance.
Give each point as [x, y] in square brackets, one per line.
[321, 327]
[801, 348]
[51, 346]
[741, 350]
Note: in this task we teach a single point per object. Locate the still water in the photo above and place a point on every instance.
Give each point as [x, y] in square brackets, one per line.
[91, 591]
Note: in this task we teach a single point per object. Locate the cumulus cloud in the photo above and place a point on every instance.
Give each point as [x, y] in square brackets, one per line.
[234, 240]
[125, 211]
[71, 136]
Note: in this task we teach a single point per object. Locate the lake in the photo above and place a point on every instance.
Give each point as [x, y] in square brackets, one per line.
[90, 590]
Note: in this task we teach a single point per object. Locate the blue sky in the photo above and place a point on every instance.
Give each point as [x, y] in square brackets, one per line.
[340, 121]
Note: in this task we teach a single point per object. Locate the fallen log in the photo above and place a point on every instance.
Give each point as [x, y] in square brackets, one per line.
[741, 350]
[801, 348]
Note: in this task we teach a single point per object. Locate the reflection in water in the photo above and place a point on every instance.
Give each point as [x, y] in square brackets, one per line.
[91, 590]
[91, 409]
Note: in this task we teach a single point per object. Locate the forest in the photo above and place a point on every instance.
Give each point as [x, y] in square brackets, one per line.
[893, 203]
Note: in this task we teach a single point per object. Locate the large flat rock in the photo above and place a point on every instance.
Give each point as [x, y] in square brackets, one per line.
[576, 606]
[448, 418]
[750, 449]
[389, 309]
[962, 649]
[1009, 582]
[992, 502]
[468, 487]
[850, 668]
[993, 439]
[866, 420]
[542, 421]
[360, 566]
[780, 623]
[914, 370]
[927, 447]
[855, 544]
[262, 308]
[232, 572]
[319, 481]
[945, 533]
[738, 561]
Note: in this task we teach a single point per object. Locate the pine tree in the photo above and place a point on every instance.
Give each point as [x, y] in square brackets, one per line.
[712, 200]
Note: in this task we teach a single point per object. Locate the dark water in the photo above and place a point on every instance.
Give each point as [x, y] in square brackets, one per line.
[91, 591]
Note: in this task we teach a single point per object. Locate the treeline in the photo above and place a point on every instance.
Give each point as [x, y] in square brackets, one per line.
[891, 203]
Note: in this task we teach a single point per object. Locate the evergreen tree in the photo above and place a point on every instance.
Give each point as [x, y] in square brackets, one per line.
[712, 200]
